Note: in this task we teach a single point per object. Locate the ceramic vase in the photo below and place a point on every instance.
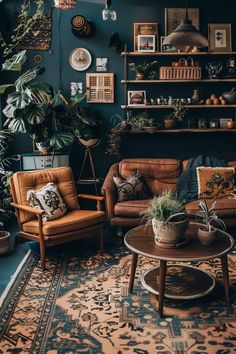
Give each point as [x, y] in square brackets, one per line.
[207, 237]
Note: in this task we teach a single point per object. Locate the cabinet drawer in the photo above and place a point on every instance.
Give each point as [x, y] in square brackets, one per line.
[38, 162]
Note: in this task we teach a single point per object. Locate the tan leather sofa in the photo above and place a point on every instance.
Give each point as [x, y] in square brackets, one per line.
[160, 175]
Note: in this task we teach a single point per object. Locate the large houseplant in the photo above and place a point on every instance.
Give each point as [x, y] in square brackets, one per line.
[167, 214]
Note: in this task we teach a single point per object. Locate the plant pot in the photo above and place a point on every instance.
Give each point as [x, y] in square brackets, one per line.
[207, 237]
[169, 233]
[139, 76]
[170, 123]
[89, 142]
[5, 242]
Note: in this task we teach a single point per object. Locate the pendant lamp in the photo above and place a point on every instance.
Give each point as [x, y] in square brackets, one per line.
[65, 4]
[109, 14]
[186, 36]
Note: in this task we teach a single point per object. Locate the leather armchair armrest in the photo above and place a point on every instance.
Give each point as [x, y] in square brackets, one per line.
[109, 190]
[98, 198]
[28, 209]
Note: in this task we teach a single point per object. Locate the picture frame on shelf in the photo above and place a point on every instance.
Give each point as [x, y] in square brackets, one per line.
[220, 38]
[146, 43]
[167, 47]
[224, 122]
[101, 64]
[174, 16]
[137, 98]
[146, 28]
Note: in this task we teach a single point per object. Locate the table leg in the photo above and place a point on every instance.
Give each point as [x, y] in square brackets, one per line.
[224, 265]
[132, 272]
[162, 281]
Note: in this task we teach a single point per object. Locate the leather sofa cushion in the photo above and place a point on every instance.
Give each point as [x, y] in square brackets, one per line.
[159, 174]
[74, 220]
[225, 207]
[62, 177]
[131, 208]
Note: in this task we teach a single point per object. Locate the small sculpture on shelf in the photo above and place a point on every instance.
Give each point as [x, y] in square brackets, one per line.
[214, 70]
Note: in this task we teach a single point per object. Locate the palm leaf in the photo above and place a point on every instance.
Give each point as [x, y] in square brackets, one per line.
[61, 140]
[17, 126]
[35, 115]
[4, 87]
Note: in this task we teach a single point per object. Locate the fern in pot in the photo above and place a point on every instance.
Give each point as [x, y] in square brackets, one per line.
[207, 215]
[167, 214]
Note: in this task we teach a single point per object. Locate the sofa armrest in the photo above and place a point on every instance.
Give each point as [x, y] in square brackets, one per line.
[109, 190]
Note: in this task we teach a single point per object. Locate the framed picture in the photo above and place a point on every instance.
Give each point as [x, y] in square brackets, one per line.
[136, 98]
[76, 88]
[167, 47]
[174, 16]
[100, 87]
[219, 36]
[101, 64]
[146, 28]
[146, 43]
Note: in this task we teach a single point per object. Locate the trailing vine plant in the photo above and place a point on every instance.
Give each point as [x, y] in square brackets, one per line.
[24, 23]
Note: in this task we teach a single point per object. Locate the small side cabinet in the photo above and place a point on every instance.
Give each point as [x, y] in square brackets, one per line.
[34, 161]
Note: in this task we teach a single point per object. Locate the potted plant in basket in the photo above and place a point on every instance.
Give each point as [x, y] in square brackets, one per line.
[177, 115]
[207, 214]
[167, 214]
[140, 69]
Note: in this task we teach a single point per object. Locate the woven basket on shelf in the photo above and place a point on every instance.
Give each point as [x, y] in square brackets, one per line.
[183, 71]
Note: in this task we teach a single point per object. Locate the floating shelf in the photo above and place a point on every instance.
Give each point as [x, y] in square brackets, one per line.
[170, 107]
[173, 81]
[187, 130]
[136, 54]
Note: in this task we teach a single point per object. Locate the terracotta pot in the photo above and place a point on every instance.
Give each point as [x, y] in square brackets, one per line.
[170, 123]
[230, 124]
[170, 233]
[207, 237]
[5, 242]
[90, 142]
[139, 76]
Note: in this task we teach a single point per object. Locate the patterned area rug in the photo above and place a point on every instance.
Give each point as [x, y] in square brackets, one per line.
[81, 304]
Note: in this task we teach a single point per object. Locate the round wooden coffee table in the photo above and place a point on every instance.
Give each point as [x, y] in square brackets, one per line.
[183, 281]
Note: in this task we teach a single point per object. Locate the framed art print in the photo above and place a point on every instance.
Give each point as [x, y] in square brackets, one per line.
[136, 98]
[101, 64]
[146, 28]
[219, 36]
[146, 43]
[174, 16]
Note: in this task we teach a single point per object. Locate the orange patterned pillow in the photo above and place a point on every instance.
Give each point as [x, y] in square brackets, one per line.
[215, 182]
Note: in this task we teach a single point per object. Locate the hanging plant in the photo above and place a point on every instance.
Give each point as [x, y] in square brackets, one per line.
[24, 24]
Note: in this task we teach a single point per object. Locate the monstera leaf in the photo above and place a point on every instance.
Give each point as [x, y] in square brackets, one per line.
[3, 88]
[60, 140]
[41, 93]
[35, 115]
[19, 99]
[17, 125]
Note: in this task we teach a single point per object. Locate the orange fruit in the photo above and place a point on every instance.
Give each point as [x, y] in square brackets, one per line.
[216, 101]
[213, 97]
[208, 101]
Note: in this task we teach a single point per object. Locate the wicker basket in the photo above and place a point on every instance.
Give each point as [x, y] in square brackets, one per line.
[183, 71]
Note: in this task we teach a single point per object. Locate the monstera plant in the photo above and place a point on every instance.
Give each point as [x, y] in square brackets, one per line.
[36, 109]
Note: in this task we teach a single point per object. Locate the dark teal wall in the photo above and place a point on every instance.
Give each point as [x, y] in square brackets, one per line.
[129, 11]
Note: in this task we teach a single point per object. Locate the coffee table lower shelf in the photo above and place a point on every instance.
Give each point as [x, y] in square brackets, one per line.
[182, 282]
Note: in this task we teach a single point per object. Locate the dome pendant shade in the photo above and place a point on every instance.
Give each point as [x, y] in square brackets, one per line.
[186, 35]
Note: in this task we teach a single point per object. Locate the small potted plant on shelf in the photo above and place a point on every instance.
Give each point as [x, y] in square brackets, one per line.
[140, 69]
[177, 115]
[167, 214]
[207, 233]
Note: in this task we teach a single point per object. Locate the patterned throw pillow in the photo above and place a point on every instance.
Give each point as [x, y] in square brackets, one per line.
[48, 199]
[131, 188]
[215, 182]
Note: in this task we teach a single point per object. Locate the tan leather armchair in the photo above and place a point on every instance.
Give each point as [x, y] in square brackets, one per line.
[75, 224]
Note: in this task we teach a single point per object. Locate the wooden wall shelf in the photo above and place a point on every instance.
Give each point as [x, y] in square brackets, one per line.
[151, 54]
[170, 107]
[174, 81]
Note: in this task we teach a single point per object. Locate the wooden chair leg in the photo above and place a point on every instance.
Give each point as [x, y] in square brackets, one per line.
[42, 254]
[101, 241]
[120, 231]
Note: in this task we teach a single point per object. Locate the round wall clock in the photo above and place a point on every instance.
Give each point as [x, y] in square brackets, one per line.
[80, 59]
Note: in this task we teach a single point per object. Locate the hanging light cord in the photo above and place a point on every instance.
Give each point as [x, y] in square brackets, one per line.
[186, 9]
[59, 48]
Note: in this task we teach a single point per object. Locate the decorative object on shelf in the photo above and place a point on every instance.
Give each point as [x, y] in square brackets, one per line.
[185, 36]
[167, 47]
[177, 115]
[40, 35]
[207, 233]
[230, 124]
[80, 59]
[140, 69]
[146, 43]
[181, 70]
[196, 97]
[169, 221]
[136, 98]
[202, 123]
[38, 58]
[82, 27]
[100, 88]
[65, 4]
[215, 100]
[146, 28]
[227, 123]
[231, 68]
[230, 96]
[214, 70]
[108, 13]
[101, 64]
[214, 123]
[116, 42]
[219, 35]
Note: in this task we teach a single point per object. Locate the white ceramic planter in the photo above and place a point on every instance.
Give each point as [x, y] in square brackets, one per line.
[170, 233]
